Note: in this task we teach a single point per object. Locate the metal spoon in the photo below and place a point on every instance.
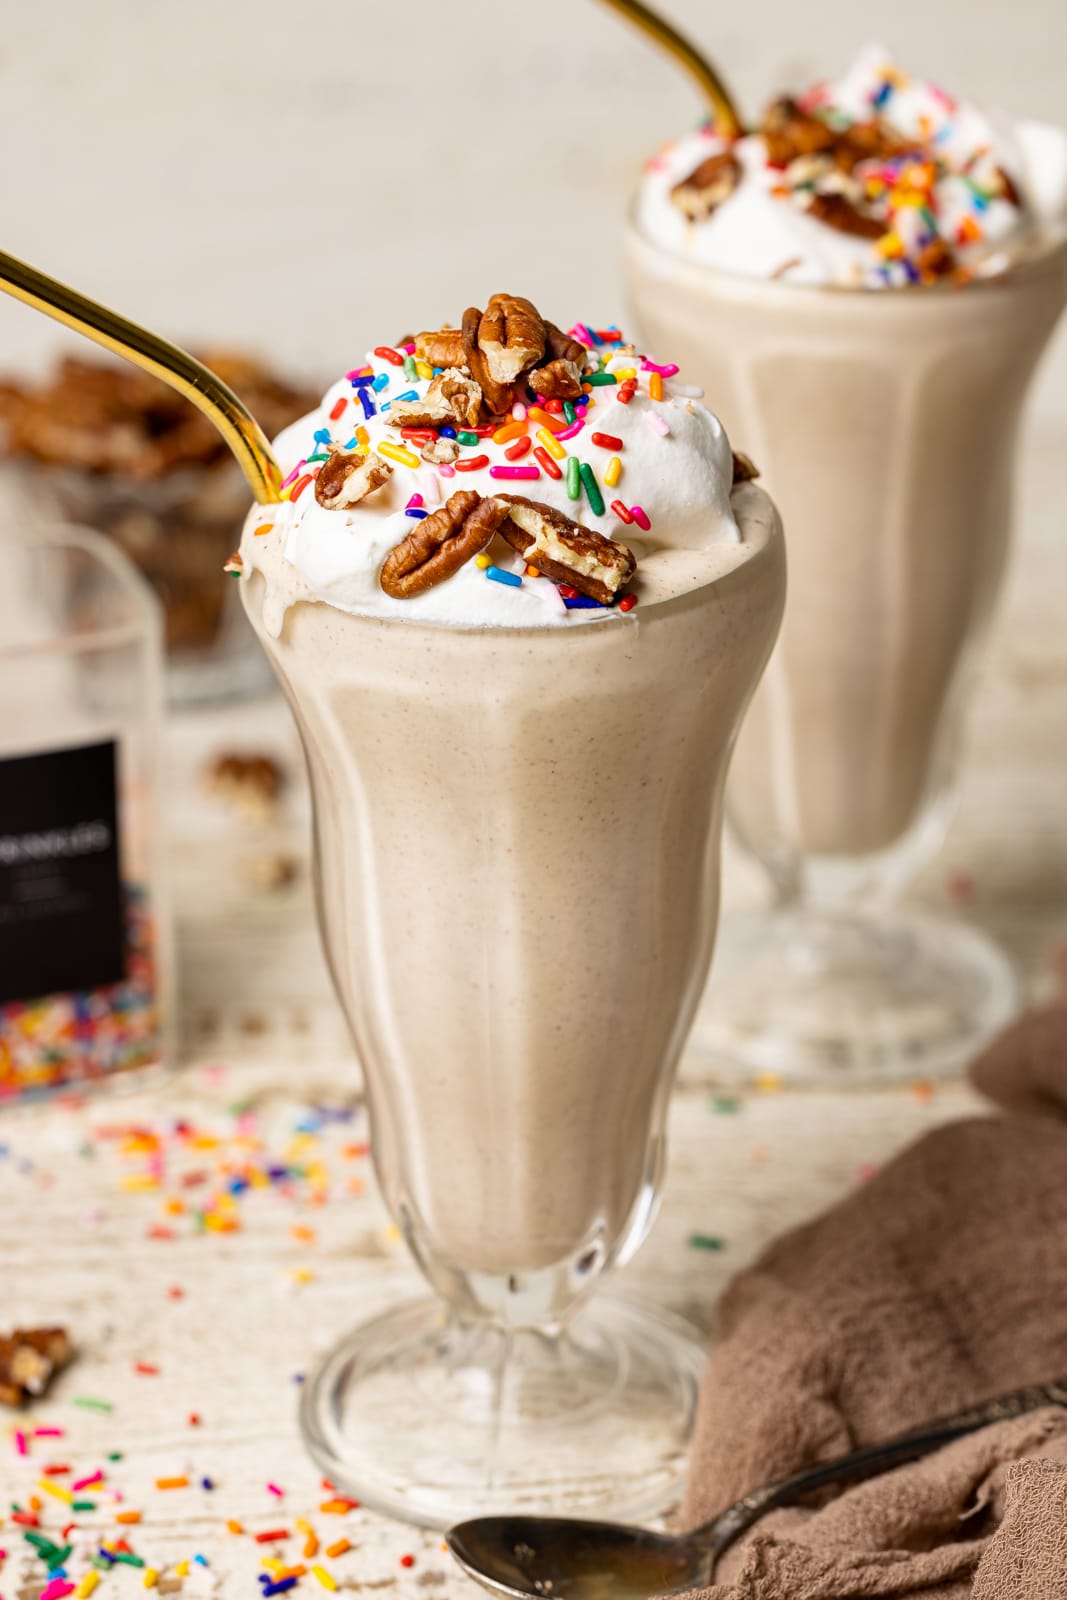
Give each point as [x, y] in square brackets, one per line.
[561, 1558]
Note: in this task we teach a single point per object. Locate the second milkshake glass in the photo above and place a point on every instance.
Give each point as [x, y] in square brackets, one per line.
[885, 424]
[517, 865]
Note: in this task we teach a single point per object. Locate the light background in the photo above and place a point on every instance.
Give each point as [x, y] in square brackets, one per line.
[308, 178]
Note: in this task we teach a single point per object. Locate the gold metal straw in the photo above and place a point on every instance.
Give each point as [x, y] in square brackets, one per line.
[190, 377]
[658, 29]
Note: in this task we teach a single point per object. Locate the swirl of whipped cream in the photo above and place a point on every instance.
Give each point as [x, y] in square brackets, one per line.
[979, 188]
[675, 465]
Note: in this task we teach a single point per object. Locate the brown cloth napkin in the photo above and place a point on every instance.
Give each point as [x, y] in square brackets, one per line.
[941, 1283]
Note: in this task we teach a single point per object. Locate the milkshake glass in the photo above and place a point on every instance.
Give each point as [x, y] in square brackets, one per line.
[885, 423]
[517, 828]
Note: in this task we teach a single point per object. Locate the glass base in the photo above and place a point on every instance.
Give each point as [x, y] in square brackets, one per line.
[434, 1420]
[850, 1000]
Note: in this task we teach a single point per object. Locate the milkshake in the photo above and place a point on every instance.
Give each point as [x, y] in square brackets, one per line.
[866, 284]
[518, 607]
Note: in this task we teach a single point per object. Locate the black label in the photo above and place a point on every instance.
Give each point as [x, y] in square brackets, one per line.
[61, 922]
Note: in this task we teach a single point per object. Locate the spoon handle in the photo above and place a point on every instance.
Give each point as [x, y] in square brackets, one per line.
[875, 1459]
[164, 360]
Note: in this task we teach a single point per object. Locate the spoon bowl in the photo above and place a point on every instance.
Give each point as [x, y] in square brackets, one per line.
[561, 1558]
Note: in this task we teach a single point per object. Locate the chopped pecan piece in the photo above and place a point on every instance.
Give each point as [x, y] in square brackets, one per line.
[1009, 189]
[498, 397]
[557, 380]
[440, 452]
[560, 378]
[28, 1361]
[871, 141]
[790, 133]
[444, 348]
[348, 477]
[745, 469]
[440, 544]
[708, 186]
[837, 211]
[452, 397]
[511, 336]
[786, 266]
[565, 551]
[936, 260]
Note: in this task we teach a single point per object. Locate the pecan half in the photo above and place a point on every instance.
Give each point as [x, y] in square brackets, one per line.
[443, 348]
[838, 212]
[561, 347]
[511, 336]
[789, 132]
[557, 380]
[440, 544]
[348, 477]
[565, 551]
[745, 469]
[497, 396]
[451, 397]
[707, 186]
[440, 452]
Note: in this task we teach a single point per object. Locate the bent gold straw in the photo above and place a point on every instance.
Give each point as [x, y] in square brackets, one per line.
[667, 37]
[163, 360]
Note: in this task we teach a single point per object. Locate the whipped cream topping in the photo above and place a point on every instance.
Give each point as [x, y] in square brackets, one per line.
[967, 194]
[673, 475]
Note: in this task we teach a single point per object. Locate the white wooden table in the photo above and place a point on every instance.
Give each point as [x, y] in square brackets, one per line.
[231, 1318]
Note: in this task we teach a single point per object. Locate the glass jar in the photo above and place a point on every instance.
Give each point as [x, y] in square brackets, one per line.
[177, 530]
[85, 957]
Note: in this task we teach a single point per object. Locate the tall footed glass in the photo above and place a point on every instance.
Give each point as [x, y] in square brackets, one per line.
[886, 426]
[517, 863]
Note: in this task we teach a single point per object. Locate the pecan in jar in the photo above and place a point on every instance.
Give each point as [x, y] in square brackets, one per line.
[707, 186]
[451, 398]
[440, 544]
[348, 477]
[511, 336]
[565, 551]
[745, 469]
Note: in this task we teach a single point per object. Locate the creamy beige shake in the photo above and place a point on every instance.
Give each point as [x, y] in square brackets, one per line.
[865, 285]
[517, 771]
